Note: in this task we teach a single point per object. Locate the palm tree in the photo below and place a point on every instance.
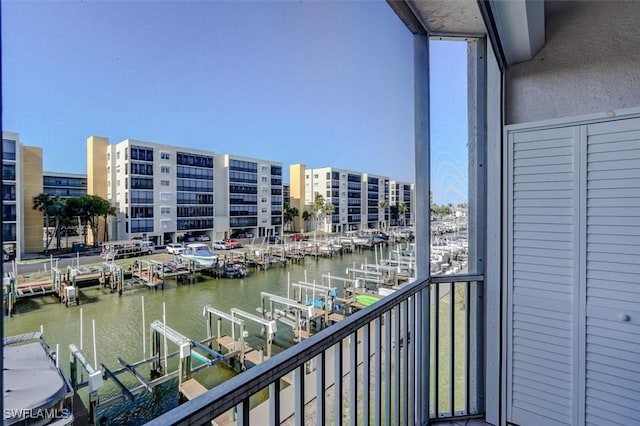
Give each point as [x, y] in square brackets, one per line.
[327, 212]
[393, 212]
[383, 205]
[306, 217]
[317, 210]
[43, 203]
[58, 210]
[289, 214]
[111, 211]
[402, 209]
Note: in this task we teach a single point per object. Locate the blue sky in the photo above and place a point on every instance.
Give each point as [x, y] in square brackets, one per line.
[318, 83]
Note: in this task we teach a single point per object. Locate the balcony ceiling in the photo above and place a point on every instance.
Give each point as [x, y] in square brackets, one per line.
[519, 23]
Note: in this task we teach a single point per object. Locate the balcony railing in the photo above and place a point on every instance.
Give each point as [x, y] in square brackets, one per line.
[369, 368]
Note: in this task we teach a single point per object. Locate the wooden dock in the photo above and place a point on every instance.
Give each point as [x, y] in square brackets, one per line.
[35, 288]
[192, 389]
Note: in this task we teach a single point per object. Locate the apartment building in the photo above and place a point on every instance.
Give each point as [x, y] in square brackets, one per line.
[401, 196]
[21, 182]
[253, 202]
[359, 199]
[167, 193]
[64, 184]
[376, 201]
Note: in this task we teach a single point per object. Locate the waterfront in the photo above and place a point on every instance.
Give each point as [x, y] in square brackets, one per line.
[119, 329]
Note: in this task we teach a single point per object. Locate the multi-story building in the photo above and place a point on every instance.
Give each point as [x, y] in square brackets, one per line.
[21, 182]
[166, 193]
[360, 200]
[64, 184]
[376, 201]
[401, 195]
[254, 201]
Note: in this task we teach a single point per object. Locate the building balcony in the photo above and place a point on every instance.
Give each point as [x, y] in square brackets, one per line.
[410, 358]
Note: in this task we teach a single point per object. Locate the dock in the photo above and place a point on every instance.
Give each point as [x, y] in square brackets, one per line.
[192, 389]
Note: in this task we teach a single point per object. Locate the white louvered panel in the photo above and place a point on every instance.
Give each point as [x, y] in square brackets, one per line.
[542, 280]
[612, 367]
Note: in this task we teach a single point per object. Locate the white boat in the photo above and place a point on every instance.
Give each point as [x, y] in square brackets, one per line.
[199, 253]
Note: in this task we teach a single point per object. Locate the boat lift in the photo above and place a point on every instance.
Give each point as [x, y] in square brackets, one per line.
[298, 309]
[229, 342]
[269, 326]
[186, 350]
[328, 294]
[95, 380]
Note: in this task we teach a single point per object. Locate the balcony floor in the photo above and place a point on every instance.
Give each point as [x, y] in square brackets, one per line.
[465, 422]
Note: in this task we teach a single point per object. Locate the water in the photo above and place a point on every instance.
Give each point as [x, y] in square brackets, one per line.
[119, 329]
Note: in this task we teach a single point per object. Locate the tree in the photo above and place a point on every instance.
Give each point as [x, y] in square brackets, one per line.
[290, 213]
[327, 212]
[402, 209]
[384, 205]
[110, 212]
[306, 217]
[393, 212]
[89, 208]
[59, 211]
[317, 210]
[43, 203]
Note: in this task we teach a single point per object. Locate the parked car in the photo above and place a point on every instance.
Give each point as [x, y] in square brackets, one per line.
[232, 243]
[298, 237]
[203, 238]
[220, 245]
[274, 239]
[174, 248]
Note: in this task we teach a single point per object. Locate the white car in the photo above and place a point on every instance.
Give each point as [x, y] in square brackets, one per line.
[220, 245]
[174, 248]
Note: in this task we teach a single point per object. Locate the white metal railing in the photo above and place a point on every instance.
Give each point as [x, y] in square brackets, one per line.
[436, 323]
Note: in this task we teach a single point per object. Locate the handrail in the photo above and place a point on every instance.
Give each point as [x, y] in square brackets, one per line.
[228, 394]
[240, 388]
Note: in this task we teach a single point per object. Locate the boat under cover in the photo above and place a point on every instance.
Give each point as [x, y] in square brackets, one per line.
[199, 253]
[32, 385]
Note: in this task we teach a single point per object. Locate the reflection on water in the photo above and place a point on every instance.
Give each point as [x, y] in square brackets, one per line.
[119, 329]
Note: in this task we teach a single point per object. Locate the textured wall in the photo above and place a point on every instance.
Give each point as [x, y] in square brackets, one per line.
[590, 63]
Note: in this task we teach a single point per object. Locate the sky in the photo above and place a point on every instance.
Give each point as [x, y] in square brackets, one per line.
[312, 82]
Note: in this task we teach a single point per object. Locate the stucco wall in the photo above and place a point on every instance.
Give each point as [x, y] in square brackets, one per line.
[590, 63]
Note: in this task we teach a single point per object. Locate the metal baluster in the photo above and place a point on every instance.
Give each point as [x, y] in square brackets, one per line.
[397, 364]
[378, 372]
[320, 389]
[366, 373]
[338, 383]
[274, 403]
[299, 384]
[353, 379]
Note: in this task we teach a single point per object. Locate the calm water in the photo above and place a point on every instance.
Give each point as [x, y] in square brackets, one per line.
[119, 328]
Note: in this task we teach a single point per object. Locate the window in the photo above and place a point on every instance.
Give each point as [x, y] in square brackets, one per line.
[165, 156]
[165, 210]
[165, 169]
[164, 183]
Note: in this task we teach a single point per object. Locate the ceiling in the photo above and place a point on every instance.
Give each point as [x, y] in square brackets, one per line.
[519, 23]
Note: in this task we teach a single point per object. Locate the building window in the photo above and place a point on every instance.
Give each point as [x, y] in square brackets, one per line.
[165, 210]
[165, 156]
[164, 183]
[165, 169]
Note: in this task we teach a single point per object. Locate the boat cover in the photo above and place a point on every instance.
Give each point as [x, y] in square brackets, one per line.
[30, 380]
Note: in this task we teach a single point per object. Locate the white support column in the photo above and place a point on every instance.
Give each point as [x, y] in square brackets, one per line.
[422, 209]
